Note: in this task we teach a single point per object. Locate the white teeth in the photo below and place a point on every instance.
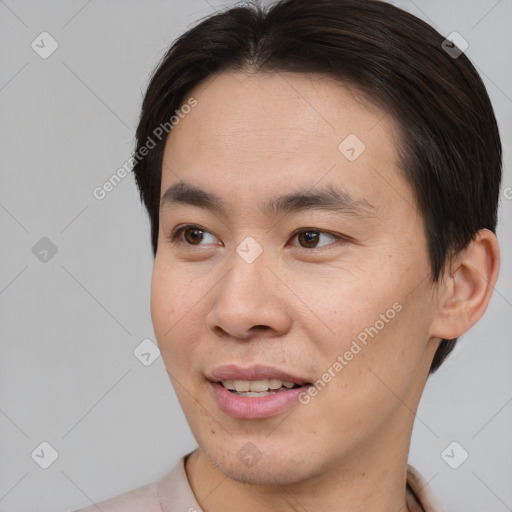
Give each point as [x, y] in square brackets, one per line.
[274, 383]
[257, 386]
[241, 385]
[228, 384]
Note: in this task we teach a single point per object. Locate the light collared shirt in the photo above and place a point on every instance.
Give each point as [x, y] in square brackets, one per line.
[172, 493]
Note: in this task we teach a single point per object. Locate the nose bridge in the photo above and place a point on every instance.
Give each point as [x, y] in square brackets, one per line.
[246, 298]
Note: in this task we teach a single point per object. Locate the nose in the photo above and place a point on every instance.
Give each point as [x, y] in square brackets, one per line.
[250, 301]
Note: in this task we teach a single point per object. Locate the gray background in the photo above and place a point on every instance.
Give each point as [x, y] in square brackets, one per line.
[68, 374]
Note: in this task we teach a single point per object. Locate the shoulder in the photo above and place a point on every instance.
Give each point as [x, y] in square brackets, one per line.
[171, 492]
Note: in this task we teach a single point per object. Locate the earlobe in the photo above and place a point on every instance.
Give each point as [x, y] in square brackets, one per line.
[467, 288]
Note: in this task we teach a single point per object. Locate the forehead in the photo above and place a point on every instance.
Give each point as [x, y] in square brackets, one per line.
[235, 104]
[275, 130]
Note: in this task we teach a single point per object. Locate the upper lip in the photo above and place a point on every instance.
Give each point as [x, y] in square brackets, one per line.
[254, 372]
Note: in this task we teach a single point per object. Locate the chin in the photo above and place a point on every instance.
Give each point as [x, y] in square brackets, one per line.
[264, 475]
[273, 469]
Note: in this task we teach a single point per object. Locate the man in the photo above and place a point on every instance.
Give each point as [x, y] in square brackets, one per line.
[322, 181]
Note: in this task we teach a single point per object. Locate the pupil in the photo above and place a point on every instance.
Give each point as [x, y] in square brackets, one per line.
[197, 235]
[310, 238]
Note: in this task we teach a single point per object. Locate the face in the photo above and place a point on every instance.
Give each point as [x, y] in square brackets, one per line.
[290, 253]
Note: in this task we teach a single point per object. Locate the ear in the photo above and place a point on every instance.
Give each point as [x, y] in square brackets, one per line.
[467, 286]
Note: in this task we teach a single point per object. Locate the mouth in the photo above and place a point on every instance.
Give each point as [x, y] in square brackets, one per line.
[255, 392]
[258, 388]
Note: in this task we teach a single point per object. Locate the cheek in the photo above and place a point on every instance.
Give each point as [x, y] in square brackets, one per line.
[383, 359]
[162, 301]
[337, 307]
[174, 303]
[362, 321]
[363, 386]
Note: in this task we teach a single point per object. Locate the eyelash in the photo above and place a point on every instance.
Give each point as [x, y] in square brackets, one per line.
[175, 237]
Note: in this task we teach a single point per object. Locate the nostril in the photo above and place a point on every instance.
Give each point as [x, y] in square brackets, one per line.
[261, 327]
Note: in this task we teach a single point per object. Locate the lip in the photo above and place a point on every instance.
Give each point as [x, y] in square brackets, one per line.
[254, 372]
[250, 408]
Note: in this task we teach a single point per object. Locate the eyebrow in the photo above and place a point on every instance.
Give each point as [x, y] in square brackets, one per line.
[324, 198]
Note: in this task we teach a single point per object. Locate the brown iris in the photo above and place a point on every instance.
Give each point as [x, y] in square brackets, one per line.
[196, 235]
[308, 238]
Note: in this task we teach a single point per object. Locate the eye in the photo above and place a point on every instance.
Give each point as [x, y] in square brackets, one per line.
[309, 238]
[191, 235]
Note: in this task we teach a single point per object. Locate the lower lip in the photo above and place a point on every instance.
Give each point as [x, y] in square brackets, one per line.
[250, 408]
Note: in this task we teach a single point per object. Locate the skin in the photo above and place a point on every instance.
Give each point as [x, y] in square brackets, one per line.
[251, 137]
